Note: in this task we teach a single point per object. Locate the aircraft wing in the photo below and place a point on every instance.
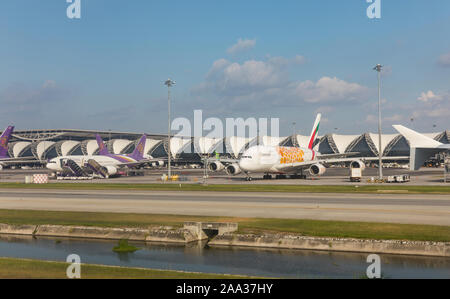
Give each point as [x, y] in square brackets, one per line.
[292, 167]
[20, 160]
[330, 156]
[223, 160]
[141, 162]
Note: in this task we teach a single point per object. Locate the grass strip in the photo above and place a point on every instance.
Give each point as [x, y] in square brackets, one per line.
[238, 188]
[36, 269]
[316, 228]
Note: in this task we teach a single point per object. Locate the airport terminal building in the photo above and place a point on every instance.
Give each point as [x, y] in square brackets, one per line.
[48, 144]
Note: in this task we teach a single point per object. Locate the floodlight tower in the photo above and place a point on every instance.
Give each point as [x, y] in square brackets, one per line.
[378, 68]
[169, 83]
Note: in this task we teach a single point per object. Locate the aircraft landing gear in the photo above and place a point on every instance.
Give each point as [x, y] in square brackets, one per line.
[267, 177]
[280, 177]
[248, 177]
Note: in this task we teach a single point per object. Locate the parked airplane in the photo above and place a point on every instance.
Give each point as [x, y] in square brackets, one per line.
[282, 160]
[5, 160]
[104, 164]
[422, 147]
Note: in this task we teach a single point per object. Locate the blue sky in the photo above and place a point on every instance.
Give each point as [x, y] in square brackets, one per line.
[295, 58]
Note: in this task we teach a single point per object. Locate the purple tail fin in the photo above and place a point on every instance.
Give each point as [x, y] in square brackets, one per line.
[4, 141]
[138, 153]
[103, 151]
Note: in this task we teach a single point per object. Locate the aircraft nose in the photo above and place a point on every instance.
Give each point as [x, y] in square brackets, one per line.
[244, 164]
[51, 165]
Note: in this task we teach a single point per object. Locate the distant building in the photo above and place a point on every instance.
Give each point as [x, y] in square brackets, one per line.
[47, 144]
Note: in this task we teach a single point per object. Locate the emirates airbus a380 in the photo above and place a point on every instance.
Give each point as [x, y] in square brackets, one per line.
[282, 161]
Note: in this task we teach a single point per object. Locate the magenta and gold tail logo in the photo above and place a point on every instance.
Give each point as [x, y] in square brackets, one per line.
[140, 148]
[3, 142]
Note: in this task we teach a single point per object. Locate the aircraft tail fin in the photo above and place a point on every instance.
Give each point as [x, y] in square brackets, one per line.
[314, 132]
[138, 153]
[416, 139]
[4, 139]
[103, 150]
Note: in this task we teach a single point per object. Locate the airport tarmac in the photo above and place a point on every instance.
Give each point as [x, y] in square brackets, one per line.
[333, 176]
[394, 208]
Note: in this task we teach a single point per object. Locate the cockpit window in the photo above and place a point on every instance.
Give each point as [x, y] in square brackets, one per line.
[246, 157]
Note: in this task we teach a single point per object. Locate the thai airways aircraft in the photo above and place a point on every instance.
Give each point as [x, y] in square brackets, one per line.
[282, 160]
[104, 164]
[5, 160]
[422, 147]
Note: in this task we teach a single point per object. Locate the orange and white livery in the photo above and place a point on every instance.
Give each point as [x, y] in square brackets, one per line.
[282, 160]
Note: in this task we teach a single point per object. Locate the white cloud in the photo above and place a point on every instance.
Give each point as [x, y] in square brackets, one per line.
[328, 89]
[432, 107]
[242, 45]
[256, 82]
[373, 119]
[429, 96]
[396, 118]
[444, 60]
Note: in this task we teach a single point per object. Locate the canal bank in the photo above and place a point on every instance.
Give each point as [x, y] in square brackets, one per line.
[224, 235]
[200, 258]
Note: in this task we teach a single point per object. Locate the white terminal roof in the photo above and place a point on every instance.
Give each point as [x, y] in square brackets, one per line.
[177, 145]
[343, 141]
[42, 147]
[303, 141]
[385, 140]
[119, 145]
[150, 145]
[19, 147]
[236, 144]
[273, 141]
[205, 145]
[432, 135]
[91, 147]
[68, 146]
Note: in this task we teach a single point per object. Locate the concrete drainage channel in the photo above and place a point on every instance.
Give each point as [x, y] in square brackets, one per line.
[191, 232]
[223, 234]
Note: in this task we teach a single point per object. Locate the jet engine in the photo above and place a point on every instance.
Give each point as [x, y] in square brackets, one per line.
[157, 164]
[358, 164]
[233, 169]
[111, 170]
[216, 166]
[317, 169]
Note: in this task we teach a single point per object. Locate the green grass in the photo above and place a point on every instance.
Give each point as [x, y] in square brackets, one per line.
[238, 188]
[23, 268]
[124, 247]
[317, 228]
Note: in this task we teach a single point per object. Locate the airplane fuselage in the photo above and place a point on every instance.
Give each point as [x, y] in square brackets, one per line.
[269, 159]
[105, 161]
